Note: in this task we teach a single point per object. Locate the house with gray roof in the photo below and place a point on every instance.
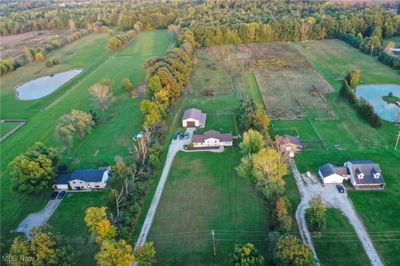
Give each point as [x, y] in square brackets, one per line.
[288, 144]
[331, 174]
[194, 118]
[365, 174]
[86, 179]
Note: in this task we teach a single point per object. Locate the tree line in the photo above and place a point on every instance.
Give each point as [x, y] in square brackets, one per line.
[361, 106]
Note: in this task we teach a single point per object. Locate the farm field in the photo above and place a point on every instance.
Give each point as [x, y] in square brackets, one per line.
[121, 121]
[208, 200]
[350, 138]
[339, 243]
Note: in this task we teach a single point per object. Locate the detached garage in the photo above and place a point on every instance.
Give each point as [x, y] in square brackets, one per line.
[331, 174]
[194, 118]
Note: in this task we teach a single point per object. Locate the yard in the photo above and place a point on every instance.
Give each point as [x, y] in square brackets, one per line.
[341, 240]
[203, 193]
[120, 123]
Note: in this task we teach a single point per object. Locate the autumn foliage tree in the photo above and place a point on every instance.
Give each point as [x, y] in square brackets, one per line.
[115, 253]
[99, 225]
[102, 94]
[45, 248]
[290, 251]
[247, 255]
[145, 255]
[252, 142]
[316, 214]
[283, 217]
[34, 170]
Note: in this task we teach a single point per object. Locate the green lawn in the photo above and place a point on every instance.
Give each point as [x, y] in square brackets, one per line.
[197, 199]
[7, 127]
[111, 136]
[341, 240]
[355, 140]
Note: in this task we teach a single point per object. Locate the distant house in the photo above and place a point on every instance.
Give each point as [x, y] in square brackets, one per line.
[194, 118]
[395, 51]
[87, 179]
[212, 139]
[365, 174]
[332, 174]
[289, 144]
[362, 174]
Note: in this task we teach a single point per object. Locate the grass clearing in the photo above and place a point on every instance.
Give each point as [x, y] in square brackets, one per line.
[340, 239]
[198, 199]
[6, 127]
[111, 136]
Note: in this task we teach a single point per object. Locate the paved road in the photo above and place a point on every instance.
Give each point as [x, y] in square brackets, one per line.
[40, 218]
[176, 145]
[332, 199]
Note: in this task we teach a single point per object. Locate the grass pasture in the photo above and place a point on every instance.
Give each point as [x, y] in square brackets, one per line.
[6, 127]
[197, 199]
[340, 239]
[110, 137]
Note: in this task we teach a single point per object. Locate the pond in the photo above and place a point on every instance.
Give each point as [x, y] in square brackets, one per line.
[43, 86]
[384, 98]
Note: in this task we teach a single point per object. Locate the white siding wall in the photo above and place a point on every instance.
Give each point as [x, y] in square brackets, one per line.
[212, 143]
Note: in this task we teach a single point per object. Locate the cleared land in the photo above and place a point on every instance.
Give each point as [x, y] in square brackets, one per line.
[116, 126]
[199, 198]
[290, 87]
[340, 239]
[11, 46]
[350, 138]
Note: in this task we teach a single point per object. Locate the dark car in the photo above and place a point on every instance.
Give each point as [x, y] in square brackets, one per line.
[61, 195]
[54, 195]
[175, 137]
[340, 188]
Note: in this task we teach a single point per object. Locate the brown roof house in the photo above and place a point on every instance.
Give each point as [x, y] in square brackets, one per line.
[212, 139]
[365, 174]
[288, 144]
[194, 118]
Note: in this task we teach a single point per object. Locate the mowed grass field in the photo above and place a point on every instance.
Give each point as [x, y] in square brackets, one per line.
[350, 138]
[110, 137]
[340, 239]
[203, 193]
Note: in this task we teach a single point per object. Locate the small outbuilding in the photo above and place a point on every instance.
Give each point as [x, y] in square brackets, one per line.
[194, 118]
[212, 139]
[331, 174]
[288, 144]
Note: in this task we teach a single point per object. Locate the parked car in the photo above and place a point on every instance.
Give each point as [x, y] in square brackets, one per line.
[340, 188]
[175, 137]
[53, 195]
[186, 135]
[61, 195]
[181, 135]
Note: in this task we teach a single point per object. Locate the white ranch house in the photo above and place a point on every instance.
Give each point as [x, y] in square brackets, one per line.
[87, 179]
[212, 139]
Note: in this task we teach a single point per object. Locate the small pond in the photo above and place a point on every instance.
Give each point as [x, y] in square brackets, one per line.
[383, 98]
[43, 86]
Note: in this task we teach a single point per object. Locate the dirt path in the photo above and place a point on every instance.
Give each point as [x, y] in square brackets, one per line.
[38, 218]
[332, 199]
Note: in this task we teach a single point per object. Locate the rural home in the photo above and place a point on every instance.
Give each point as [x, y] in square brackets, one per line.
[194, 118]
[212, 139]
[332, 174]
[365, 174]
[288, 144]
[86, 179]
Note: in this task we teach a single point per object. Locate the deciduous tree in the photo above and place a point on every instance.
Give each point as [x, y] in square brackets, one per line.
[290, 251]
[113, 253]
[247, 255]
[102, 94]
[145, 255]
[316, 214]
[252, 142]
[34, 170]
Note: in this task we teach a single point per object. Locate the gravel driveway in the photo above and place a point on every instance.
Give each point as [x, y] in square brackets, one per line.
[332, 199]
[37, 219]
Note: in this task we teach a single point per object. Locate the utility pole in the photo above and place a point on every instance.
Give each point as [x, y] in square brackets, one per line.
[213, 238]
